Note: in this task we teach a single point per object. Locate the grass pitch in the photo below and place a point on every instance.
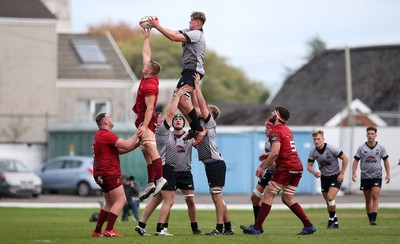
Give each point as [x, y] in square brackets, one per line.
[21, 225]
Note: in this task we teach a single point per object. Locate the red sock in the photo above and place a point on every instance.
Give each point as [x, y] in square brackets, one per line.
[298, 210]
[111, 221]
[100, 220]
[158, 168]
[150, 173]
[262, 215]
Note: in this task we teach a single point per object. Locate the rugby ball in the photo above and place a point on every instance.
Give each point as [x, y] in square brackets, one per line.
[144, 22]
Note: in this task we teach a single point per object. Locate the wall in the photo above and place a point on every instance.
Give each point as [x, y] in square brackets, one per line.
[32, 155]
[28, 72]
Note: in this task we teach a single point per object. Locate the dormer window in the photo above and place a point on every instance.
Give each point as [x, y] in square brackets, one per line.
[89, 52]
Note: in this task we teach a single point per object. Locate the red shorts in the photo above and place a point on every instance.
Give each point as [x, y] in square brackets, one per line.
[107, 183]
[286, 178]
[152, 125]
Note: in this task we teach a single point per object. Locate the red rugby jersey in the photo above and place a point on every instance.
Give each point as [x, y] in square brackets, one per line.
[288, 158]
[106, 156]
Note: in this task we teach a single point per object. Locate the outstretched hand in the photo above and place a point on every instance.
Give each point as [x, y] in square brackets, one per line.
[197, 78]
[154, 22]
[180, 92]
[146, 32]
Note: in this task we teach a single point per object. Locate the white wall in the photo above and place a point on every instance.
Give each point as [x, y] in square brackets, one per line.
[31, 155]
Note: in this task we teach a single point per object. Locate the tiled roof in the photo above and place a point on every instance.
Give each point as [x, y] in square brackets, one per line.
[24, 9]
[317, 91]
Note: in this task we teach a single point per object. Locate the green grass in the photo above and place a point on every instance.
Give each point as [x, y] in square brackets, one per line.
[20, 225]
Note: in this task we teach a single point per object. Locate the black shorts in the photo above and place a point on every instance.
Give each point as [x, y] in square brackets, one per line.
[367, 184]
[187, 78]
[184, 180]
[267, 177]
[169, 175]
[328, 182]
[215, 171]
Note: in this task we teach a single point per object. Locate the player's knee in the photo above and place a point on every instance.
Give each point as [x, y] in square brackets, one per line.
[257, 193]
[215, 191]
[331, 203]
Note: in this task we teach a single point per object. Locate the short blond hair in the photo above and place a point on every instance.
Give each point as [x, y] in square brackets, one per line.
[317, 132]
[214, 110]
[155, 67]
[199, 15]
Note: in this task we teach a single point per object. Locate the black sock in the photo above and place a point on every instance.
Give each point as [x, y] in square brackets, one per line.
[227, 225]
[219, 227]
[194, 226]
[166, 225]
[195, 120]
[374, 215]
[369, 216]
[255, 211]
[142, 225]
[192, 127]
[332, 214]
[160, 226]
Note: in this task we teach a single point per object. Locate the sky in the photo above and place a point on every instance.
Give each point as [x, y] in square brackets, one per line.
[261, 37]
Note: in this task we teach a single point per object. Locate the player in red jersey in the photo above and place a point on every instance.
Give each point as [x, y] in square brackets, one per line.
[106, 171]
[146, 121]
[289, 170]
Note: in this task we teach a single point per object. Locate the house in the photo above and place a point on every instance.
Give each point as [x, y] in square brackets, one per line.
[93, 77]
[49, 78]
[317, 93]
[28, 71]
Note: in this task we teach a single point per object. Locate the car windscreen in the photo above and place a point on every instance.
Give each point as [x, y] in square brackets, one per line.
[13, 166]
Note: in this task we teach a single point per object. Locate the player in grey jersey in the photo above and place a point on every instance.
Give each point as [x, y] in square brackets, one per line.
[215, 166]
[166, 147]
[193, 47]
[369, 155]
[263, 182]
[183, 174]
[331, 173]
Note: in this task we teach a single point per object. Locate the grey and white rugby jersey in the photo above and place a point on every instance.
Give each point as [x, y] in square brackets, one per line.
[267, 146]
[165, 140]
[207, 148]
[193, 50]
[267, 149]
[184, 153]
[370, 160]
[327, 159]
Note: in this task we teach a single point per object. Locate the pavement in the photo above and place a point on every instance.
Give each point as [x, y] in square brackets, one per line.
[388, 199]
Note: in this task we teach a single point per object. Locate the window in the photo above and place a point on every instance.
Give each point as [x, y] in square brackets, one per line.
[71, 164]
[89, 52]
[55, 165]
[86, 110]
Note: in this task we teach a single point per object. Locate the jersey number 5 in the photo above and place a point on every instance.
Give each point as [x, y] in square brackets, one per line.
[293, 146]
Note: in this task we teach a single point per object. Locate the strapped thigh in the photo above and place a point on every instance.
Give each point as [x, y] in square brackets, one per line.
[215, 190]
[145, 141]
[257, 193]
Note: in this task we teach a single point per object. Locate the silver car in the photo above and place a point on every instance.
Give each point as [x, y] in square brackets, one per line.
[18, 179]
[69, 173]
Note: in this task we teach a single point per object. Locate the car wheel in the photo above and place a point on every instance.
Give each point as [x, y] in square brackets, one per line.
[83, 189]
[35, 195]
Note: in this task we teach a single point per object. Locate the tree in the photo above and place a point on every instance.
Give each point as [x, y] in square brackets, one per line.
[316, 47]
[222, 83]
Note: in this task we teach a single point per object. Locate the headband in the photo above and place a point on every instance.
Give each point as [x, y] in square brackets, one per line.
[279, 116]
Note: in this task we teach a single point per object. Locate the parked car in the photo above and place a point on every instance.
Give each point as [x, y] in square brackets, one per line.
[69, 173]
[18, 179]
